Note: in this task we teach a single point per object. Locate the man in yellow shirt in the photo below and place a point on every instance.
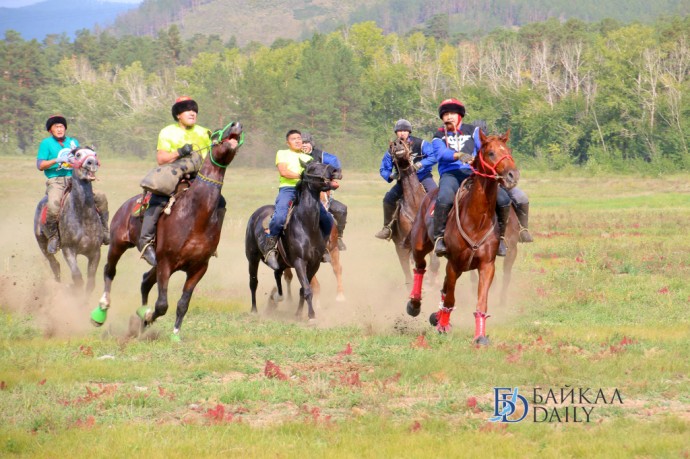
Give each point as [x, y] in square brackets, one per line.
[290, 170]
[175, 141]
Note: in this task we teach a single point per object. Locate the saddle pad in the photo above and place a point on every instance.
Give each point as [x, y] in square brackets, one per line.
[267, 220]
[141, 205]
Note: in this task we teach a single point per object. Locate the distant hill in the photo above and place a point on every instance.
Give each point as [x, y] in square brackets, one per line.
[57, 17]
[265, 21]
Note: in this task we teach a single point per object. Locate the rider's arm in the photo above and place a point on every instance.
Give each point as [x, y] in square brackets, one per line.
[428, 157]
[441, 151]
[386, 167]
[165, 157]
[43, 164]
[287, 173]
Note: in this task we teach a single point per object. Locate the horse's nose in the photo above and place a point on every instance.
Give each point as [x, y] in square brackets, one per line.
[236, 128]
[511, 178]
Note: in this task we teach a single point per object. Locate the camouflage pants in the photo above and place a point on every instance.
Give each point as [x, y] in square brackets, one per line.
[55, 188]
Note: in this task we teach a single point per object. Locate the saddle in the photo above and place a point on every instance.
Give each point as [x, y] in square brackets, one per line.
[44, 211]
[465, 187]
[143, 202]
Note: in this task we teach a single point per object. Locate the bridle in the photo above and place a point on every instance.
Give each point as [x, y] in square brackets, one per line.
[486, 166]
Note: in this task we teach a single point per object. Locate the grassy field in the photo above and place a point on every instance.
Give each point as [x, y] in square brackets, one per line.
[600, 301]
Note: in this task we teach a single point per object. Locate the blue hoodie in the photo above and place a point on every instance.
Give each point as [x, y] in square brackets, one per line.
[446, 144]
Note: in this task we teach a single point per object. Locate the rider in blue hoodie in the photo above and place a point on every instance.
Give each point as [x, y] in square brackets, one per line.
[455, 146]
[423, 159]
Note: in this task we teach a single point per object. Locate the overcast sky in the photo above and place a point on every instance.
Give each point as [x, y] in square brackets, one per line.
[19, 3]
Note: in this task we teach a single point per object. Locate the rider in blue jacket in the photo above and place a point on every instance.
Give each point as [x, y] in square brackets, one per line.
[423, 159]
[455, 146]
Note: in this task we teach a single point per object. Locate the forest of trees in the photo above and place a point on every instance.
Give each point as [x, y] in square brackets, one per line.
[599, 96]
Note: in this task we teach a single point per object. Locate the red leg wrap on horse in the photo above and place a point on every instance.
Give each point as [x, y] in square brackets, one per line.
[443, 317]
[417, 284]
[480, 324]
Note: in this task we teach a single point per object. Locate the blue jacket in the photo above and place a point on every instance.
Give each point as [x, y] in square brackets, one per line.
[421, 151]
[326, 158]
[446, 144]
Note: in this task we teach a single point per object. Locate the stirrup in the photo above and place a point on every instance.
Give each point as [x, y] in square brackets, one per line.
[502, 240]
[53, 245]
[385, 236]
[527, 239]
[272, 262]
[153, 262]
[440, 252]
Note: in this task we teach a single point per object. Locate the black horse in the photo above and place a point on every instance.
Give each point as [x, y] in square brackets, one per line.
[301, 246]
[81, 231]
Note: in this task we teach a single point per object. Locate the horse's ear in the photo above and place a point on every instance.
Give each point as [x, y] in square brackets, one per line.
[505, 137]
[482, 136]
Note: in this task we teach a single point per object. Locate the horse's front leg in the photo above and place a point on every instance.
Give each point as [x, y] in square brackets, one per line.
[144, 312]
[277, 296]
[305, 292]
[404, 259]
[486, 277]
[183, 303]
[70, 256]
[91, 271]
[148, 280]
[441, 318]
[421, 246]
[115, 251]
[338, 271]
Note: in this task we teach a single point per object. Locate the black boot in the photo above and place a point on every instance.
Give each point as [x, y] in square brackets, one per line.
[386, 232]
[106, 231]
[440, 218]
[522, 211]
[339, 212]
[148, 233]
[51, 231]
[503, 213]
[270, 252]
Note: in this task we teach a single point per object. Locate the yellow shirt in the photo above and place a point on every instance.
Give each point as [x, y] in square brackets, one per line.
[292, 159]
[173, 137]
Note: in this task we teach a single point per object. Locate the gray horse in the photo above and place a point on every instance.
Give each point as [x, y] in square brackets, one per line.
[79, 223]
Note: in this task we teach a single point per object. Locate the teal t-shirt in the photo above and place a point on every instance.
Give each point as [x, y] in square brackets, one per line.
[49, 149]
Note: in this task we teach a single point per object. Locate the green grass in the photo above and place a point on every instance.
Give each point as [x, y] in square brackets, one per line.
[599, 301]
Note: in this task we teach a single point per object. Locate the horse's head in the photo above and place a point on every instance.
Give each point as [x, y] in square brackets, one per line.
[495, 160]
[225, 143]
[319, 176]
[84, 163]
[400, 150]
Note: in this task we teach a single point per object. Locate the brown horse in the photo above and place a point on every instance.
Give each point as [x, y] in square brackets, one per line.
[471, 234]
[413, 195]
[185, 239]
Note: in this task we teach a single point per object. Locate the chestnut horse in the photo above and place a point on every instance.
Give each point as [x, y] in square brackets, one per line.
[185, 239]
[413, 194]
[301, 244]
[471, 234]
[81, 231]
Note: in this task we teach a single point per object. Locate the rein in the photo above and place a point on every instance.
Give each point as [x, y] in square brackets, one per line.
[220, 133]
[485, 166]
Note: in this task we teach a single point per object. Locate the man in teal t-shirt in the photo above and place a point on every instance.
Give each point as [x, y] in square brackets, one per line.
[52, 154]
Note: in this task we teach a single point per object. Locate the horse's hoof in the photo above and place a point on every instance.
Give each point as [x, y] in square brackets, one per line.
[98, 316]
[277, 298]
[340, 298]
[175, 337]
[414, 308]
[312, 322]
[145, 313]
[482, 341]
[433, 319]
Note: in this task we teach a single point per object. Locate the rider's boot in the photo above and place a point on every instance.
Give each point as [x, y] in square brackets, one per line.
[386, 232]
[106, 231]
[503, 213]
[270, 252]
[51, 231]
[440, 217]
[148, 233]
[522, 211]
[341, 229]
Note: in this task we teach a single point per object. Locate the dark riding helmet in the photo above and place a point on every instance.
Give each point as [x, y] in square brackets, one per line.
[451, 106]
[183, 104]
[55, 119]
[402, 125]
[307, 138]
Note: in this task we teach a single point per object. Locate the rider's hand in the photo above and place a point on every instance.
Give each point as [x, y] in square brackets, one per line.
[394, 175]
[185, 150]
[63, 156]
[463, 157]
[417, 165]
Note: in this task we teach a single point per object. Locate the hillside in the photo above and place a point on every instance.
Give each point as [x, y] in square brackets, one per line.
[263, 21]
[66, 16]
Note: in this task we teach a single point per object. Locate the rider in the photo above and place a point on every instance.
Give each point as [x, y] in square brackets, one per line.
[175, 141]
[52, 154]
[290, 168]
[455, 146]
[335, 207]
[423, 158]
[518, 198]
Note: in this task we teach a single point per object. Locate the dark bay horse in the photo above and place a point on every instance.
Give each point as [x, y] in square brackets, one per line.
[334, 251]
[185, 239]
[413, 195]
[302, 243]
[471, 234]
[79, 223]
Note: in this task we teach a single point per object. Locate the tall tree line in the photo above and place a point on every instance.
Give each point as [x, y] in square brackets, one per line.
[602, 95]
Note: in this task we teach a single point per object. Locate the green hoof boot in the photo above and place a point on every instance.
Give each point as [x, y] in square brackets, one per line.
[98, 316]
[143, 312]
[175, 337]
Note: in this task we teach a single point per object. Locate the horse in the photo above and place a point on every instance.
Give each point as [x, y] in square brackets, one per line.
[301, 245]
[413, 195]
[79, 224]
[471, 235]
[186, 238]
[334, 251]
